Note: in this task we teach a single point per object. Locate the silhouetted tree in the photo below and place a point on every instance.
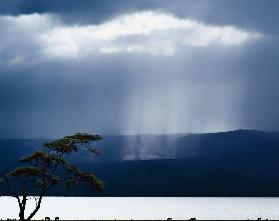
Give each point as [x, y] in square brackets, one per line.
[48, 168]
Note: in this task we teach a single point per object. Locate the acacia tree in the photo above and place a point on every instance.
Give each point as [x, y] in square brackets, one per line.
[48, 168]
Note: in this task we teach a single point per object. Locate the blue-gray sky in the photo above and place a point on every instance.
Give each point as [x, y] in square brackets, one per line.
[130, 67]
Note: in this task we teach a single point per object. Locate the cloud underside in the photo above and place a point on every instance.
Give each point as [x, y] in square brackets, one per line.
[142, 72]
[45, 36]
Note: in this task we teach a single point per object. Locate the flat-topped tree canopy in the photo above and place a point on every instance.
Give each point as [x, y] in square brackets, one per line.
[78, 141]
[46, 168]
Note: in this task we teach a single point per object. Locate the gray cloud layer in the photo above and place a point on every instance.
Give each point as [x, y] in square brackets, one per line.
[195, 89]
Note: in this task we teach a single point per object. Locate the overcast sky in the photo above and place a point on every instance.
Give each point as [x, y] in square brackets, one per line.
[133, 67]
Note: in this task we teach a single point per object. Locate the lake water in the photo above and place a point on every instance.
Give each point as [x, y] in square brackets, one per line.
[149, 208]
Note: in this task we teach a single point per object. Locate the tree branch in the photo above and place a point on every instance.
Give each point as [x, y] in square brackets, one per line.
[38, 205]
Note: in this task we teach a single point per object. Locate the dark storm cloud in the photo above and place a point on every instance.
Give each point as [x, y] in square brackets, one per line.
[258, 15]
[127, 94]
[82, 11]
[53, 99]
[51, 84]
[259, 69]
[250, 14]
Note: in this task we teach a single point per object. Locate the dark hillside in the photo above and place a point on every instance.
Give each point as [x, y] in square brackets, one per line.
[237, 163]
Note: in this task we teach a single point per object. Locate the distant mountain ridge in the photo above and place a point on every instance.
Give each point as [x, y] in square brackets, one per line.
[234, 163]
[153, 147]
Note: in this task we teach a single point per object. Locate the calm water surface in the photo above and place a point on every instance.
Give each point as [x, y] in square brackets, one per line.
[149, 208]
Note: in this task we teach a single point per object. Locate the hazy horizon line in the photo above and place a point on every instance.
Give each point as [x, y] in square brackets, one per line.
[139, 134]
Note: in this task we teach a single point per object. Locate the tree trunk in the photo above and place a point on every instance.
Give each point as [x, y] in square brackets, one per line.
[22, 206]
[36, 209]
[21, 215]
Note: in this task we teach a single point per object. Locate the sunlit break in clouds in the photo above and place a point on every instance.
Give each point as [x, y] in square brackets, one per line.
[147, 32]
[142, 68]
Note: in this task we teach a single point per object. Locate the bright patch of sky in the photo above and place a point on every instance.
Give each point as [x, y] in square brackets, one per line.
[150, 32]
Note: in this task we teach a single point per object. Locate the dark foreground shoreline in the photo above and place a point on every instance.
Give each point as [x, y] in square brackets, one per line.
[171, 220]
[193, 219]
